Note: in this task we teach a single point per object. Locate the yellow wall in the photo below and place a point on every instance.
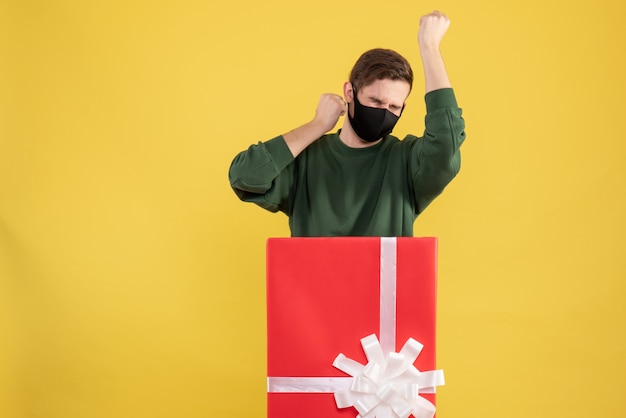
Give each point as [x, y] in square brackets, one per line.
[132, 279]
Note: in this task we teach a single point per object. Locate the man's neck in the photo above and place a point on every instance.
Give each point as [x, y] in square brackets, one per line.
[351, 139]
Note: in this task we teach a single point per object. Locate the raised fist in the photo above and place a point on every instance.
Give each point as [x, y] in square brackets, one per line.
[432, 28]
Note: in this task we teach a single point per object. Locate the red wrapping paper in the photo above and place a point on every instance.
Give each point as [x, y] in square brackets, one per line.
[323, 296]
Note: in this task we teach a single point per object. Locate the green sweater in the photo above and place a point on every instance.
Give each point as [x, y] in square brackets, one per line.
[331, 189]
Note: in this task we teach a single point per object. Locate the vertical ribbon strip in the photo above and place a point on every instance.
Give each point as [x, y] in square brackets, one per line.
[388, 256]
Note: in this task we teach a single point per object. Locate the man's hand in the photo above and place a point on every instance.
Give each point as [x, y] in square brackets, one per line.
[432, 28]
[329, 109]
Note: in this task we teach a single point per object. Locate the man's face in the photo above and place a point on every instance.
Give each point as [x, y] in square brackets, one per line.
[382, 94]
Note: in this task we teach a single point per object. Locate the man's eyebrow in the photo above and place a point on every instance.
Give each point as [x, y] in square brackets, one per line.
[391, 104]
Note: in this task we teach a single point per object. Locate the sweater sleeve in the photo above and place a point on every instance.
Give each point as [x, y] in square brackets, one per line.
[435, 159]
[263, 174]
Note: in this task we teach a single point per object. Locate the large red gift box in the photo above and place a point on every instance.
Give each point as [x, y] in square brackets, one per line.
[325, 294]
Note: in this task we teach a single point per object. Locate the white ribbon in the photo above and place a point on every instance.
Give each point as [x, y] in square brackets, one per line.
[388, 257]
[388, 386]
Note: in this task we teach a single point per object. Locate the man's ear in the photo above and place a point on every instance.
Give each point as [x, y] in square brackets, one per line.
[348, 92]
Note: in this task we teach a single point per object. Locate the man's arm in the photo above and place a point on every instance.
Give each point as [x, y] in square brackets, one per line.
[436, 156]
[263, 174]
[433, 27]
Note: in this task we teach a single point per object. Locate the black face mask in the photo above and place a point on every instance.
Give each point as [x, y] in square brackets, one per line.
[371, 123]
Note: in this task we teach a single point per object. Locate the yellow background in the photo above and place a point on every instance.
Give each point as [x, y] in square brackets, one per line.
[132, 279]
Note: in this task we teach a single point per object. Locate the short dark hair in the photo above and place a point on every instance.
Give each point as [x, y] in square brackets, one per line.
[380, 64]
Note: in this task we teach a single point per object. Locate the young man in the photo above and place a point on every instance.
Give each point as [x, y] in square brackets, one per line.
[361, 181]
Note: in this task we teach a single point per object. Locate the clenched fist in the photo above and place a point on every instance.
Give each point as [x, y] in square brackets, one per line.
[329, 109]
[432, 28]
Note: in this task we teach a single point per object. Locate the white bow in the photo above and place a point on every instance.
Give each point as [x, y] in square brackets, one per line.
[389, 385]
